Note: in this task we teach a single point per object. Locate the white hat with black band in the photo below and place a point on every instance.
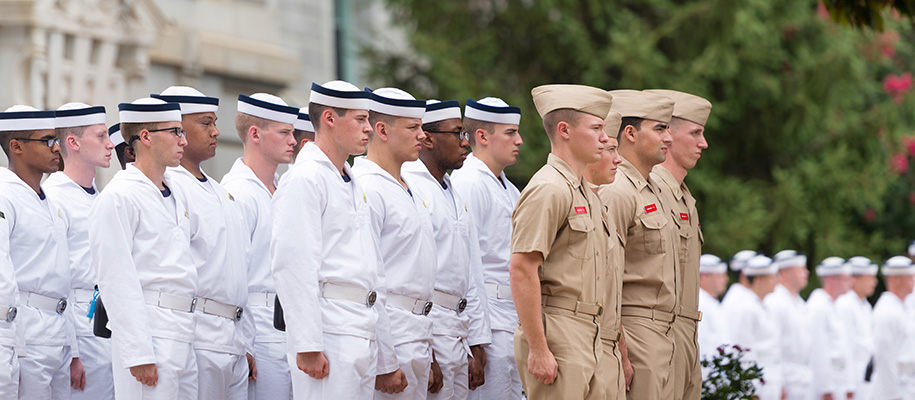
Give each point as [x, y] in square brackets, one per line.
[898, 265]
[191, 100]
[340, 94]
[441, 110]
[78, 114]
[303, 123]
[269, 107]
[494, 110]
[26, 118]
[831, 266]
[148, 110]
[711, 264]
[396, 102]
[114, 133]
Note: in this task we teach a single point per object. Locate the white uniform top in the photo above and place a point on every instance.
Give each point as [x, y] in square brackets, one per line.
[322, 233]
[458, 273]
[36, 244]
[403, 228]
[491, 201]
[856, 315]
[828, 350]
[218, 243]
[254, 198]
[894, 353]
[74, 203]
[140, 241]
[750, 327]
[713, 328]
[789, 313]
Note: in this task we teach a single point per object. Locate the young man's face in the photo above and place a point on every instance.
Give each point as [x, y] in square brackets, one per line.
[795, 278]
[166, 145]
[37, 155]
[652, 141]
[504, 142]
[688, 141]
[352, 131]
[765, 283]
[201, 136]
[587, 138]
[864, 284]
[277, 142]
[405, 137]
[450, 150]
[95, 146]
[603, 172]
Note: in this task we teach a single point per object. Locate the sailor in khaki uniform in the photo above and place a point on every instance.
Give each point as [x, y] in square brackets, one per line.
[687, 128]
[610, 373]
[559, 244]
[650, 283]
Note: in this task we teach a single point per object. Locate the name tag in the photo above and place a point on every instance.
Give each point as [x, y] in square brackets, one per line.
[651, 208]
[684, 217]
[581, 210]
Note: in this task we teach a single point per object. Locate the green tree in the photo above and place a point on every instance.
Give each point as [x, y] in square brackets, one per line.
[801, 129]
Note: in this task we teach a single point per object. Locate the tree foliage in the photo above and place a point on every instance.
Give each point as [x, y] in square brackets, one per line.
[867, 13]
[803, 123]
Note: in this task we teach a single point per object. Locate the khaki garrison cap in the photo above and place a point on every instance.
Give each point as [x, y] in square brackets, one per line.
[612, 123]
[644, 105]
[580, 98]
[688, 106]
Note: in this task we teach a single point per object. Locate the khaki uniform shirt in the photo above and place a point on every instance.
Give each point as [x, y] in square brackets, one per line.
[559, 216]
[651, 270]
[684, 214]
[613, 273]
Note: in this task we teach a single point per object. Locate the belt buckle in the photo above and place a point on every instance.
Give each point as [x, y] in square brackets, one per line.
[619, 334]
[427, 308]
[700, 316]
[600, 311]
[11, 315]
[238, 313]
[61, 306]
[193, 305]
[370, 298]
[462, 304]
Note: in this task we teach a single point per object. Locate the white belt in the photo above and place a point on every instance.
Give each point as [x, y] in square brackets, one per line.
[348, 293]
[449, 301]
[8, 314]
[169, 301]
[261, 299]
[497, 291]
[213, 307]
[46, 303]
[82, 295]
[411, 304]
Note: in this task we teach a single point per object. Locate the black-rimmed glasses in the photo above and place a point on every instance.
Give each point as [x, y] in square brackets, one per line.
[175, 130]
[48, 141]
[462, 135]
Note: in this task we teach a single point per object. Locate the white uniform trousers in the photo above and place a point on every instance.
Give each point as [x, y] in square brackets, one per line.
[502, 379]
[273, 379]
[45, 373]
[95, 354]
[176, 366]
[351, 362]
[415, 360]
[9, 373]
[221, 375]
[451, 354]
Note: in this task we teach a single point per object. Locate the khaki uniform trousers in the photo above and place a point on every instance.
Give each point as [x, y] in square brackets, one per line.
[687, 379]
[574, 342]
[610, 373]
[650, 345]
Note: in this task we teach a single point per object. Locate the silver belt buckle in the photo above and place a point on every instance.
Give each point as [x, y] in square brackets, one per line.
[193, 305]
[11, 315]
[61, 306]
[370, 298]
[427, 308]
[462, 304]
[238, 313]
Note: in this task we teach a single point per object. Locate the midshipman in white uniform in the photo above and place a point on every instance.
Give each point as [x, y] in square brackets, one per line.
[139, 236]
[491, 198]
[218, 239]
[738, 261]
[268, 140]
[829, 358]
[894, 334]
[856, 314]
[751, 327]
[85, 146]
[789, 314]
[325, 258]
[713, 328]
[34, 274]
[38, 250]
[304, 130]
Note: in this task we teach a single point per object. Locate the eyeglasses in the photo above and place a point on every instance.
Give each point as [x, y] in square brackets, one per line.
[48, 141]
[175, 130]
[461, 134]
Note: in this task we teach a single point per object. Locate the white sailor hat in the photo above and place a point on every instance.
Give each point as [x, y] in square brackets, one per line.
[898, 265]
[396, 102]
[492, 109]
[740, 259]
[78, 114]
[114, 133]
[711, 264]
[25, 118]
[759, 265]
[340, 94]
[833, 266]
[859, 265]
[269, 107]
[441, 110]
[789, 258]
[191, 100]
[147, 110]
[912, 249]
[304, 121]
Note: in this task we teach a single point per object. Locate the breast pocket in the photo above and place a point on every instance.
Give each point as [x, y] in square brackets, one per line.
[579, 244]
[685, 235]
[651, 231]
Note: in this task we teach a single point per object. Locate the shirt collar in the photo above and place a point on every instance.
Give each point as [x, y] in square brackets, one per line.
[564, 169]
[632, 174]
[668, 178]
